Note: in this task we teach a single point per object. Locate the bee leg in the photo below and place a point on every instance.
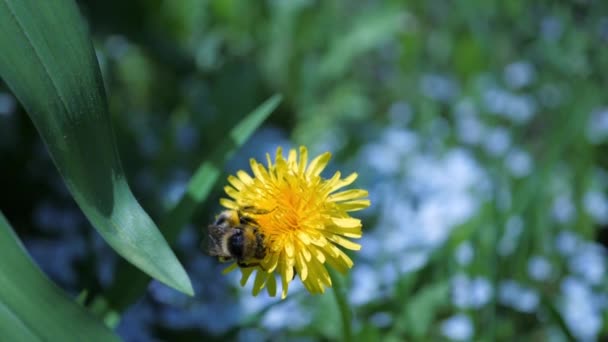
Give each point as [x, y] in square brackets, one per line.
[253, 264]
[224, 259]
[246, 265]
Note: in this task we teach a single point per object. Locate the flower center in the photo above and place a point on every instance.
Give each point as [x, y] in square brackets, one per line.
[296, 204]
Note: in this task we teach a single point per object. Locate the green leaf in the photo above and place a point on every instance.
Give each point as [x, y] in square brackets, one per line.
[420, 311]
[209, 171]
[32, 308]
[128, 285]
[49, 63]
[369, 32]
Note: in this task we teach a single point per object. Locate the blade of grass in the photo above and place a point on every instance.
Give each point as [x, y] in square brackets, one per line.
[129, 285]
[209, 171]
[32, 308]
[557, 318]
[49, 63]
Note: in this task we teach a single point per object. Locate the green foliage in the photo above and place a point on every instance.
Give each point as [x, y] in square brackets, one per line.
[421, 310]
[32, 308]
[49, 63]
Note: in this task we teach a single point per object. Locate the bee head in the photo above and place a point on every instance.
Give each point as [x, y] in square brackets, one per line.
[215, 241]
[218, 233]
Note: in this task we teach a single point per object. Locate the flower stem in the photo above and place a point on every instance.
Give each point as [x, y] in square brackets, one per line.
[339, 290]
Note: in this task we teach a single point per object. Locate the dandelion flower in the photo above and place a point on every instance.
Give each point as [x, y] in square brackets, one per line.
[303, 217]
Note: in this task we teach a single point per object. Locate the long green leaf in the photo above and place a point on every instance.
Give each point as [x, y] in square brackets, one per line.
[128, 285]
[32, 308]
[209, 171]
[49, 63]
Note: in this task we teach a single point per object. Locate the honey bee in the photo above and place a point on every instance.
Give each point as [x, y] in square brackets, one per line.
[235, 235]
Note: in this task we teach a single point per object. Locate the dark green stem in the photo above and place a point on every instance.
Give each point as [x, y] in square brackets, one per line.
[345, 312]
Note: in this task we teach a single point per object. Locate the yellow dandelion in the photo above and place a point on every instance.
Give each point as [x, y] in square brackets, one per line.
[302, 217]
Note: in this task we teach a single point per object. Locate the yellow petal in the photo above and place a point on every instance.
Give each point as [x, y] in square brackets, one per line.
[289, 272]
[258, 170]
[268, 161]
[279, 153]
[351, 232]
[245, 273]
[331, 250]
[306, 253]
[236, 183]
[346, 222]
[344, 242]
[307, 286]
[347, 195]
[229, 204]
[344, 260]
[229, 268]
[317, 239]
[301, 267]
[271, 282]
[352, 235]
[260, 281]
[321, 274]
[344, 182]
[230, 191]
[330, 184]
[272, 262]
[244, 177]
[281, 166]
[291, 158]
[319, 255]
[284, 279]
[354, 205]
[304, 237]
[289, 249]
[318, 164]
[303, 160]
[338, 264]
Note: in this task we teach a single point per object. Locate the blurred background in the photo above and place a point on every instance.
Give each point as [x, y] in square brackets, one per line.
[479, 129]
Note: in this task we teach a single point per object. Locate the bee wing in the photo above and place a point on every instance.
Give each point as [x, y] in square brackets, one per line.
[216, 241]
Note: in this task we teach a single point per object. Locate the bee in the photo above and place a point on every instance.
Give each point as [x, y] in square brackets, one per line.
[237, 236]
